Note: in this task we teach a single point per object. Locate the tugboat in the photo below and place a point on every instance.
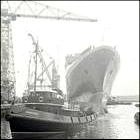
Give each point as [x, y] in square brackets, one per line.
[44, 104]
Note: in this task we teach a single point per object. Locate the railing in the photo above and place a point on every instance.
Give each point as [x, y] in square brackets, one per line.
[8, 108]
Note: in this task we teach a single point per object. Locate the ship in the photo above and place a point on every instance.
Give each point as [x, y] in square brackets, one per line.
[46, 109]
[90, 76]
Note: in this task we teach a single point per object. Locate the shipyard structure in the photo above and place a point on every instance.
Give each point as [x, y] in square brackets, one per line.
[90, 77]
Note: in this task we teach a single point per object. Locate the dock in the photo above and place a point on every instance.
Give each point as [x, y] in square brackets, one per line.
[5, 125]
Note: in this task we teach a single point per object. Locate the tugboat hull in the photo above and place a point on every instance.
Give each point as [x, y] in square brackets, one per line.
[26, 124]
[38, 121]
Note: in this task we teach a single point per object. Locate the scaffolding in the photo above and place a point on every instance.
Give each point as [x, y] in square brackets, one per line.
[7, 60]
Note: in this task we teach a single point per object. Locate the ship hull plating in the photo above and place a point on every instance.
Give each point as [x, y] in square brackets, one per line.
[90, 77]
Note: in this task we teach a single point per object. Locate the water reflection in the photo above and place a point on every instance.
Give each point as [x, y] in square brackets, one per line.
[117, 124]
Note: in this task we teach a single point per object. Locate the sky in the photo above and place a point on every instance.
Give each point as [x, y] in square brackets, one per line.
[118, 25]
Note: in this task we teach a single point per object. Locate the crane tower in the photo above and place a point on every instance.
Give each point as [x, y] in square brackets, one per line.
[7, 60]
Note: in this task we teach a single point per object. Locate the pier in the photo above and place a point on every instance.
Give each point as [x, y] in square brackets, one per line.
[6, 109]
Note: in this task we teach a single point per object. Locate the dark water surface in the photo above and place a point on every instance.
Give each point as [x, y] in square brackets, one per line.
[119, 123]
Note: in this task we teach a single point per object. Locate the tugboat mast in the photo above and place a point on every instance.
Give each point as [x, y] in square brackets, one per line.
[36, 53]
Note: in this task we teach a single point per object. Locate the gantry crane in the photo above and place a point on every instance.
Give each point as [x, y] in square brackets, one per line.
[10, 11]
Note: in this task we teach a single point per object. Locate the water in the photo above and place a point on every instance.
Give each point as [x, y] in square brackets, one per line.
[117, 124]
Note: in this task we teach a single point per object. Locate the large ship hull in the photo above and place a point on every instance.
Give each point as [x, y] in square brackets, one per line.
[90, 76]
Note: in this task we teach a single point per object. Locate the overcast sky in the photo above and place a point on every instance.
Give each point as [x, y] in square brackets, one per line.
[118, 25]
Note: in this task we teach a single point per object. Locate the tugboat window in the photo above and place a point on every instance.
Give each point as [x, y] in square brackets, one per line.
[25, 100]
[40, 99]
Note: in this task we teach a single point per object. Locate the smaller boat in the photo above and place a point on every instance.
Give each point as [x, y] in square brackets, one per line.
[45, 109]
[136, 117]
[137, 105]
